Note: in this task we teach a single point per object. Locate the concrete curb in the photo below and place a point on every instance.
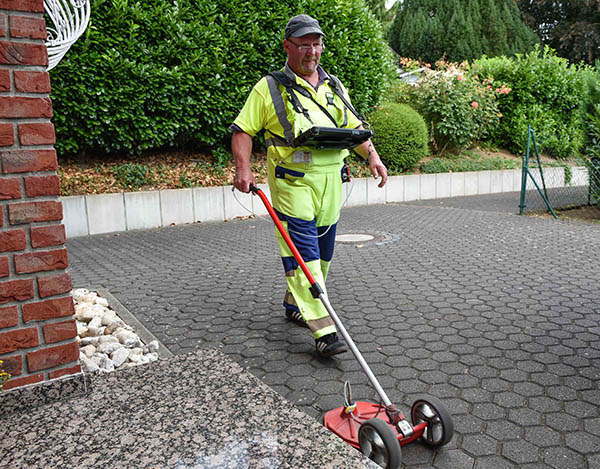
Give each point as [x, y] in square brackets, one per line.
[108, 213]
[130, 320]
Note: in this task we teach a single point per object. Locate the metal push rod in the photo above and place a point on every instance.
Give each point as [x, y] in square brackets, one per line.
[321, 295]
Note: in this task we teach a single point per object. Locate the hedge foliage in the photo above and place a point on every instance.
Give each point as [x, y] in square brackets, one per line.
[400, 135]
[546, 93]
[155, 73]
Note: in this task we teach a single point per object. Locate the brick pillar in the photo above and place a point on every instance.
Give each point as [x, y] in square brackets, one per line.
[37, 327]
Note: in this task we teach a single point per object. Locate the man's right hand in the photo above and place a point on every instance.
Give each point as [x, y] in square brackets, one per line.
[243, 178]
[241, 146]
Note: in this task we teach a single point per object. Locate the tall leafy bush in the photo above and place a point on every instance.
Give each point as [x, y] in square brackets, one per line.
[546, 94]
[155, 73]
[400, 135]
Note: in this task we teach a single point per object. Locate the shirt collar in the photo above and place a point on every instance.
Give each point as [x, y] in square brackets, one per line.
[322, 75]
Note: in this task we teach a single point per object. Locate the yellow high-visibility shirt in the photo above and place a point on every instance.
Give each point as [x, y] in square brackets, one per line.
[259, 114]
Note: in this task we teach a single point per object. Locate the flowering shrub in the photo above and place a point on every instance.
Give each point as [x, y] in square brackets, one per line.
[3, 376]
[460, 108]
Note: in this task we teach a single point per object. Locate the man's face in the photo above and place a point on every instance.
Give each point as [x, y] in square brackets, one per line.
[304, 53]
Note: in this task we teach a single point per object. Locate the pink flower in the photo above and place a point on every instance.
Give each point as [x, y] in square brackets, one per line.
[475, 104]
[499, 114]
[459, 77]
[489, 87]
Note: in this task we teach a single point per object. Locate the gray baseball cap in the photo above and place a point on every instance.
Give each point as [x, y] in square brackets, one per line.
[301, 25]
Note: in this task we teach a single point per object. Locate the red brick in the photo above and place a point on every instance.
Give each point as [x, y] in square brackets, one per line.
[4, 267]
[59, 331]
[50, 357]
[32, 82]
[13, 240]
[12, 365]
[54, 285]
[15, 107]
[4, 80]
[10, 188]
[48, 309]
[19, 339]
[36, 134]
[27, 26]
[65, 371]
[41, 261]
[18, 382]
[9, 316]
[7, 135]
[28, 212]
[36, 6]
[42, 185]
[43, 236]
[16, 290]
[23, 53]
[23, 161]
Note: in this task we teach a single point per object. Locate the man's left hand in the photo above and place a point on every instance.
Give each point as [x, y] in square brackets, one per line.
[378, 169]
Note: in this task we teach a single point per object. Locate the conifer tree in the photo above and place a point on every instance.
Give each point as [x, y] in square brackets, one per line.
[459, 29]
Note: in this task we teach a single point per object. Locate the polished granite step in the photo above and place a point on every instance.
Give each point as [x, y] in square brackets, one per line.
[199, 410]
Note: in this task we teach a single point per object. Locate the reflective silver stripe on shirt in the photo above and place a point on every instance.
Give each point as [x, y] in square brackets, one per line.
[276, 142]
[277, 99]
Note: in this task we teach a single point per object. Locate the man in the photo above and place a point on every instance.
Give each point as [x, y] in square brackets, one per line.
[305, 183]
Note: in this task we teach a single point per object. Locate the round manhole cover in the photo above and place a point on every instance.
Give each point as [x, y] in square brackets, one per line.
[354, 238]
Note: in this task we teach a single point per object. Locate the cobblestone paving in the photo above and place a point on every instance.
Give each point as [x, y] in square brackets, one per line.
[495, 314]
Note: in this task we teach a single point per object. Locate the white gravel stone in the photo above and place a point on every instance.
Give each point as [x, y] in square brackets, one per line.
[120, 356]
[88, 364]
[88, 341]
[109, 347]
[106, 341]
[128, 338]
[109, 317]
[88, 350]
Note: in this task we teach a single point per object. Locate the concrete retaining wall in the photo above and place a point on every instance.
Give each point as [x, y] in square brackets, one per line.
[94, 214]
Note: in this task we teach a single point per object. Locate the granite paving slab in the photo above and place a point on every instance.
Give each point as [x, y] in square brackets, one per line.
[198, 410]
[495, 314]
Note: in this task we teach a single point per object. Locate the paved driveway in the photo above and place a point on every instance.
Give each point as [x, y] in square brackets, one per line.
[495, 314]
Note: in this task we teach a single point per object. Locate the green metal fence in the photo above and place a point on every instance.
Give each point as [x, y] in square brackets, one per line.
[556, 186]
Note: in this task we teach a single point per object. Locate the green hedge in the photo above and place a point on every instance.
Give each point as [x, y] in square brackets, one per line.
[400, 135]
[168, 73]
[546, 93]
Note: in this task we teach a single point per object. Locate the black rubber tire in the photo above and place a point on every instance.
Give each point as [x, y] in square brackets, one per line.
[386, 452]
[440, 427]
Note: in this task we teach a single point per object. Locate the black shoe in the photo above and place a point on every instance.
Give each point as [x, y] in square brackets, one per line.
[329, 345]
[295, 317]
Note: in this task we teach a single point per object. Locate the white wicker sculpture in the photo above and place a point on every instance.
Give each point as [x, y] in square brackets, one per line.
[68, 20]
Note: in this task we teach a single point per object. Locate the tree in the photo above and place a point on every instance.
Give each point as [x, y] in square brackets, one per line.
[459, 29]
[572, 28]
[384, 14]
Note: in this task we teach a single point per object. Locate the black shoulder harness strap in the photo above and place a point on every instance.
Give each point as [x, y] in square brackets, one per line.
[336, 86]
[292, 87]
